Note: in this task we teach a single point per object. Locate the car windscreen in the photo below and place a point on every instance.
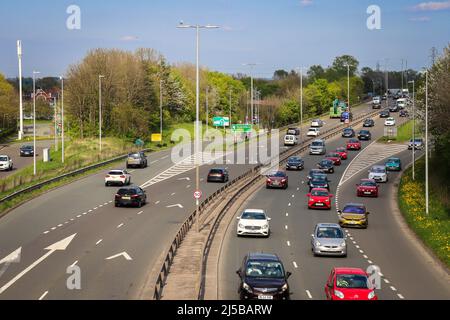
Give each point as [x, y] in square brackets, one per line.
[340, 149]
[326, 163]
[215, 171]
[327, 232]
[250, 215]
[368, 184]
[292, 131]
[27, 148]
[294, 159]
[127, 192]
[354, 209]
[364, 132]
[319, 178]
[317, 144]
[352, 281]
[378, 170]
[319, 193]
[348, 130]
[393, 160]
[264, 269]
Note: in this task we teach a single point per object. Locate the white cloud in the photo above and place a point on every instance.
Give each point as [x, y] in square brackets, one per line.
[129, 38]
[432, 6]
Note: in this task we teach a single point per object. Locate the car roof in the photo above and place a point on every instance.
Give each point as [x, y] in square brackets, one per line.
[217, 169]
[368, 180]
[254, 210]
[344, 270]
[331, 225]
[263, 256]
[353, 204]
[319, 189]
[377, 166]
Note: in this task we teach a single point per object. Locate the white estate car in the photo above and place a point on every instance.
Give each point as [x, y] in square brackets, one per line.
[378, 173]
[389, 122]
[121, 177]
[253, 222]
[6, 163]
[316, 123]
[313, 132]
[290, 140]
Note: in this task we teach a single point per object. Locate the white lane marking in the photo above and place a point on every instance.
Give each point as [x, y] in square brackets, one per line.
[386, 281]
[165, 157]
[90, 210]
[298, 189]
[157, 202]
[95, 208]
[188, 186]
[124, 254]
[354, 242]
[60, 225]
[153, 162]
[293, 196]
[105, 204]
[100, 206]
[357, 247]
[131, 171]
[380, 274]
[361, 251]
[120, 226]
[175, 205]
[369, 261]
[393, 288]
[45, 232]
[173, 194]
[309, 294]
[287, 214]
[140, 212]
[351, 238]
[295, 265]
[289, 204]
[365, 257]
[54, 228]
[78, 215]
[110, 201]
[400, 296]
[44, 295]
[74, 263]
[66, 222]
[98, 242]
[72, 219]
[84, 213]
[286, 227]
[288, 243]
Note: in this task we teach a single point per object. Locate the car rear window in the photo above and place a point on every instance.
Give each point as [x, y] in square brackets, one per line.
[354, 209]
[378, 169]
[277, 174]
[368, 184]
[353, 141]
[115, 173]
[215, 171]
[127, 191]
[134, 156]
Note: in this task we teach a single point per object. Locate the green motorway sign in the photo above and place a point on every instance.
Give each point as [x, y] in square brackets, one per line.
[241, 128]
[221, 121]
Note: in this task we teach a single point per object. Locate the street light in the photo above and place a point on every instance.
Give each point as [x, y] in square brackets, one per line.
[301, 100]
[252, 97]
[197, 109]
[62, 118]
[34, 121]
[19, 55]
[413, 131]
[100, 77]
[348, 89]
[426, 145]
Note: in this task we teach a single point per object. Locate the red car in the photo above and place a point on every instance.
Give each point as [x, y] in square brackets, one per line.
[367, 188]
[342, 153]
[319, 199]
[349, 284]
[353, 144]
[277, 179]
[335, 157]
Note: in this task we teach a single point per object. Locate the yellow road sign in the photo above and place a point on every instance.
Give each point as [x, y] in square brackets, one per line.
[156, 137]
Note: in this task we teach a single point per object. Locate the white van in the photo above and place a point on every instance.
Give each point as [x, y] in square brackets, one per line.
[290, 140]
[401, 103]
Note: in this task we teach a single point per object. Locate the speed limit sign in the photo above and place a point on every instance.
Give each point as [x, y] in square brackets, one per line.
[197, 194]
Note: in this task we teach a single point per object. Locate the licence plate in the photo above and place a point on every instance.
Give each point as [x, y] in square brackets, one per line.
[319, 204]
[263, 297]
[367, 192]
[126, 198]
[352, 222]
[276, 183]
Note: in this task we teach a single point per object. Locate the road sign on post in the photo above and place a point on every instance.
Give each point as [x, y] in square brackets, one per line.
[197, 194]
[156, 137]
[241, 128]
[221, 121]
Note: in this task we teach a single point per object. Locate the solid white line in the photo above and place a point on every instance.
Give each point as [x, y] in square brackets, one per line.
[74, 263]
[309, 294]
[295, 265]
[400, 296]
[98, 242]
[120, 226]
[43, 296]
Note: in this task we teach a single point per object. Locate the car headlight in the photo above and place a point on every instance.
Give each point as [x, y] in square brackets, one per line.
[266, 226]
[371, 295]
[285, 287]
[339, 294]
[241, 226]
[317, 244]
[247, 287]
[343, 244]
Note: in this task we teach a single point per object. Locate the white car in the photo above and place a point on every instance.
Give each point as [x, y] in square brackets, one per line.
[378, 173]
[376, 100]
[120, 177]
[313, 132]
[389, 122]
[316, 123]
[6, 163]
[290, 140]
[253, 222]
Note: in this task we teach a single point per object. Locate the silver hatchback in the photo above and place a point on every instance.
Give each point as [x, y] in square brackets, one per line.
[328, 240]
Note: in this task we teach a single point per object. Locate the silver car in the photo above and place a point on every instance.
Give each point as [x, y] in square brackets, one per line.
[417, 144]
[328, 240]
[317, 147]
[378, 173]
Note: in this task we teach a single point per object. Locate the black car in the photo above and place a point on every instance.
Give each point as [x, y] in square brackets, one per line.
[131, 196]
[218, 175]
[295, 163]
[262, 277]
[315, 172]
[348, 133]
[326, 165]
[293, 131]
[26, 151]
[319, 181]
[385, 114]
[364, 135]
[368, 123]
[403, 113]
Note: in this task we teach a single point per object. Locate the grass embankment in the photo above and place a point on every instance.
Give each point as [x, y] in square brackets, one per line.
[434, 229]
[404, 133]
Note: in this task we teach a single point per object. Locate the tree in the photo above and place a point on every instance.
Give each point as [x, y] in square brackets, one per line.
[280, 74]
[340, 63]
[316, 72]
[8, 104]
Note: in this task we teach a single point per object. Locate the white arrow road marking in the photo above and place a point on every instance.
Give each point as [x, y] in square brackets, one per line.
[124, 254]
[58, 246]
[175, 205]
[13, 257]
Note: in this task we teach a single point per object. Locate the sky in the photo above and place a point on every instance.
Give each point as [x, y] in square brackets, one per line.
[274, 34]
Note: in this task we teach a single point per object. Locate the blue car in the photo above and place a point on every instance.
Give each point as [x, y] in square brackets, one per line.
[393, 164]
[295, 163]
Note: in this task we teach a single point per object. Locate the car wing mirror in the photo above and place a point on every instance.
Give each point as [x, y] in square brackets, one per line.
[288, 274]
[308, 195]
[269, 219]
[339, 211]
[238, 272]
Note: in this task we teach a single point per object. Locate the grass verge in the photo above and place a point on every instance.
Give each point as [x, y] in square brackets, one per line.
[404, 133]
[434, 229]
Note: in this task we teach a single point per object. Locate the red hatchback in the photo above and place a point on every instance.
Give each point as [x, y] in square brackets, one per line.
[367, 188]
[277, 179]
[349, 284]
[335, 157]
[319, 199]
[342, 153]
[353, 144]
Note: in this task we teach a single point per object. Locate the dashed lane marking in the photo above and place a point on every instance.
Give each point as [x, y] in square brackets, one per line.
[98, 242]
[309, 294]
[120, 226]
[295, 265]
[43, 295]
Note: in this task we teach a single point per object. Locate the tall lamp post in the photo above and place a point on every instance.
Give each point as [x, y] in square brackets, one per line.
[252, 97]
[100, 77]
[413, 131]
[19, 55]
[300, 69]
[426, 146]
[197, 111]
[34, 121]
[62, 118]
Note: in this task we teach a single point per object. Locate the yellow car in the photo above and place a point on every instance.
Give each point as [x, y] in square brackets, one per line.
[354, 215]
